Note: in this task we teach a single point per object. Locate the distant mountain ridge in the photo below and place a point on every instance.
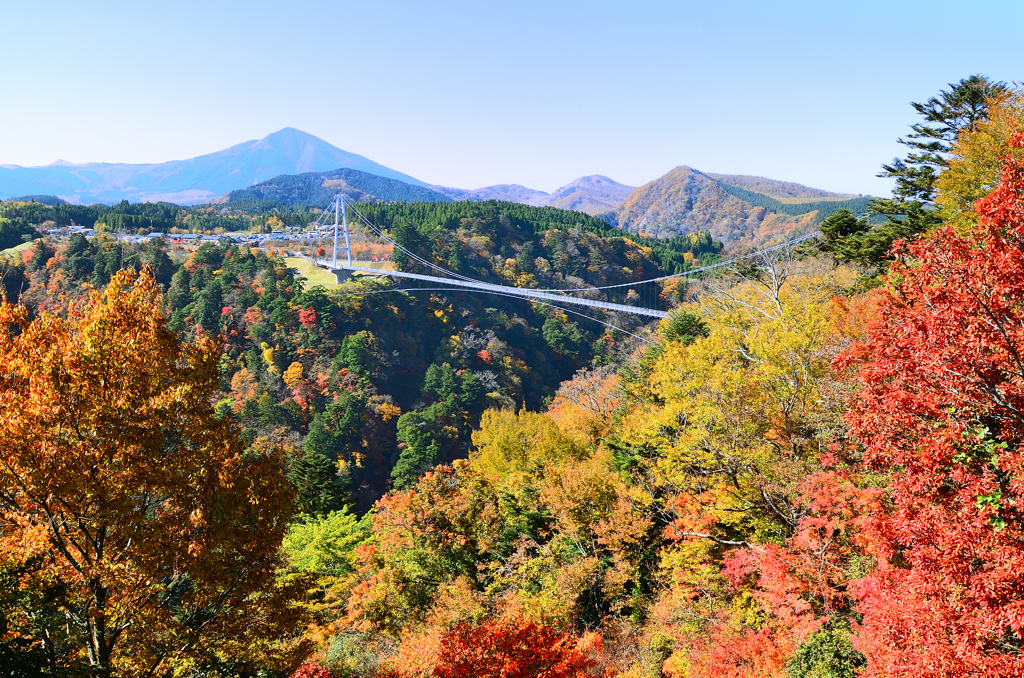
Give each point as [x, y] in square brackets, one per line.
[293, 167]
[319, 188]
[686, 201]
[593, 195]
[502, 192]
[195, 180]
[778, 189]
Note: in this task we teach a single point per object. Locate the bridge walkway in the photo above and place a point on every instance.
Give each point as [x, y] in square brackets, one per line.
[342, 272]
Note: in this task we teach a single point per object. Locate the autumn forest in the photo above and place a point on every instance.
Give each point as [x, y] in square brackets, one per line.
[812, 468]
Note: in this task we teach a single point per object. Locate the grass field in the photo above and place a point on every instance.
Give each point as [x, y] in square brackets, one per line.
[320, 277]
[379, 265]
[15, 251]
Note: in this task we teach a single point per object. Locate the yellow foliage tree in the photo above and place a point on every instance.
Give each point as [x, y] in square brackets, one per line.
[733, 418]
[293, 375]
[591, 546]
[727, 425]
[978, 156]
[585, 404]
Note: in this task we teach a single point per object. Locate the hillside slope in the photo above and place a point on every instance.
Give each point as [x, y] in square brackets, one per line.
[782, 190]
[319, 188]
[686, 201]
[195, 180]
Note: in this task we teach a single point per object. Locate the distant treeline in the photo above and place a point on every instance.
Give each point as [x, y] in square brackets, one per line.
[157, 216]
[670, 254]
[824, 208]
[255, 214]
[154, 216]
[45, 199]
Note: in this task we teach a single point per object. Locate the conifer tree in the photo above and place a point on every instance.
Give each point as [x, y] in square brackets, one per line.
[960, 108]
[911, 209]
[319, 488]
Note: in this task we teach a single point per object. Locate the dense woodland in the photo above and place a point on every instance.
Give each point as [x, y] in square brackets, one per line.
[162, 217]
[812, 468]
[319, 188]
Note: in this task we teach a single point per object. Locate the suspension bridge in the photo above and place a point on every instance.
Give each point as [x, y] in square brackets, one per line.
[449, 280]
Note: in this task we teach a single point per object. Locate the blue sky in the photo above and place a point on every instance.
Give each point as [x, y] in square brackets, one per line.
[475, 93]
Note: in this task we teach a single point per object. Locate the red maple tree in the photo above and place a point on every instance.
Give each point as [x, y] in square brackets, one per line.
[942, 412]
[510, 648]
[312, 669]
[307, 317]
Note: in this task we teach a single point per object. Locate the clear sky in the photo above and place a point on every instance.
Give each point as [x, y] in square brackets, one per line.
[475, 93]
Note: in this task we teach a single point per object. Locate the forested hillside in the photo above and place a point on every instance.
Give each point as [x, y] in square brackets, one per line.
[526, 226]
[686, 200]
[783, 190]
[502, 352]
[319, 188]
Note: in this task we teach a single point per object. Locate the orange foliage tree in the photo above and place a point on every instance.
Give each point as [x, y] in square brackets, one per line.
[145, 532]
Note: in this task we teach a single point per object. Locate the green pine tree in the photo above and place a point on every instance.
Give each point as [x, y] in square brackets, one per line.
[911, 209]
[319, 487]
[421, 451]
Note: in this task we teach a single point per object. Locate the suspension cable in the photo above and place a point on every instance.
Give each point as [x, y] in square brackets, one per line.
[501, 294]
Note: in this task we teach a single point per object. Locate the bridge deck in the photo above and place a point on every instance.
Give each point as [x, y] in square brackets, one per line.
[524, 292]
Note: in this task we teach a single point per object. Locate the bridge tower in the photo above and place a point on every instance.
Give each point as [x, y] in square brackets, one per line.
[339, 206]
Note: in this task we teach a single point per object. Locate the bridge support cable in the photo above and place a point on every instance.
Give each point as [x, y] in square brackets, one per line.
[522, 292]
[501, 294]
[703, 269]
[562, 296]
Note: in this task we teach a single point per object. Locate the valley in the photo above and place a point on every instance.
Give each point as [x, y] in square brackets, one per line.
[714, 426]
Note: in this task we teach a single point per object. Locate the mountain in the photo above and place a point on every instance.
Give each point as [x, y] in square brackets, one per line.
[687, 201]
[593, 195]
[318, 188]
[288, 151]
[502, 192]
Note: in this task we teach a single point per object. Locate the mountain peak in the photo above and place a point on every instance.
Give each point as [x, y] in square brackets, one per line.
[738, 210]
[286, 151]
[292, 134]
[594, 194]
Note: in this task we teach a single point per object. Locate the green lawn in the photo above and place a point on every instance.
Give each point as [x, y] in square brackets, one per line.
[318, 277]
[379, 265]
[322, 277]
[15, 251]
